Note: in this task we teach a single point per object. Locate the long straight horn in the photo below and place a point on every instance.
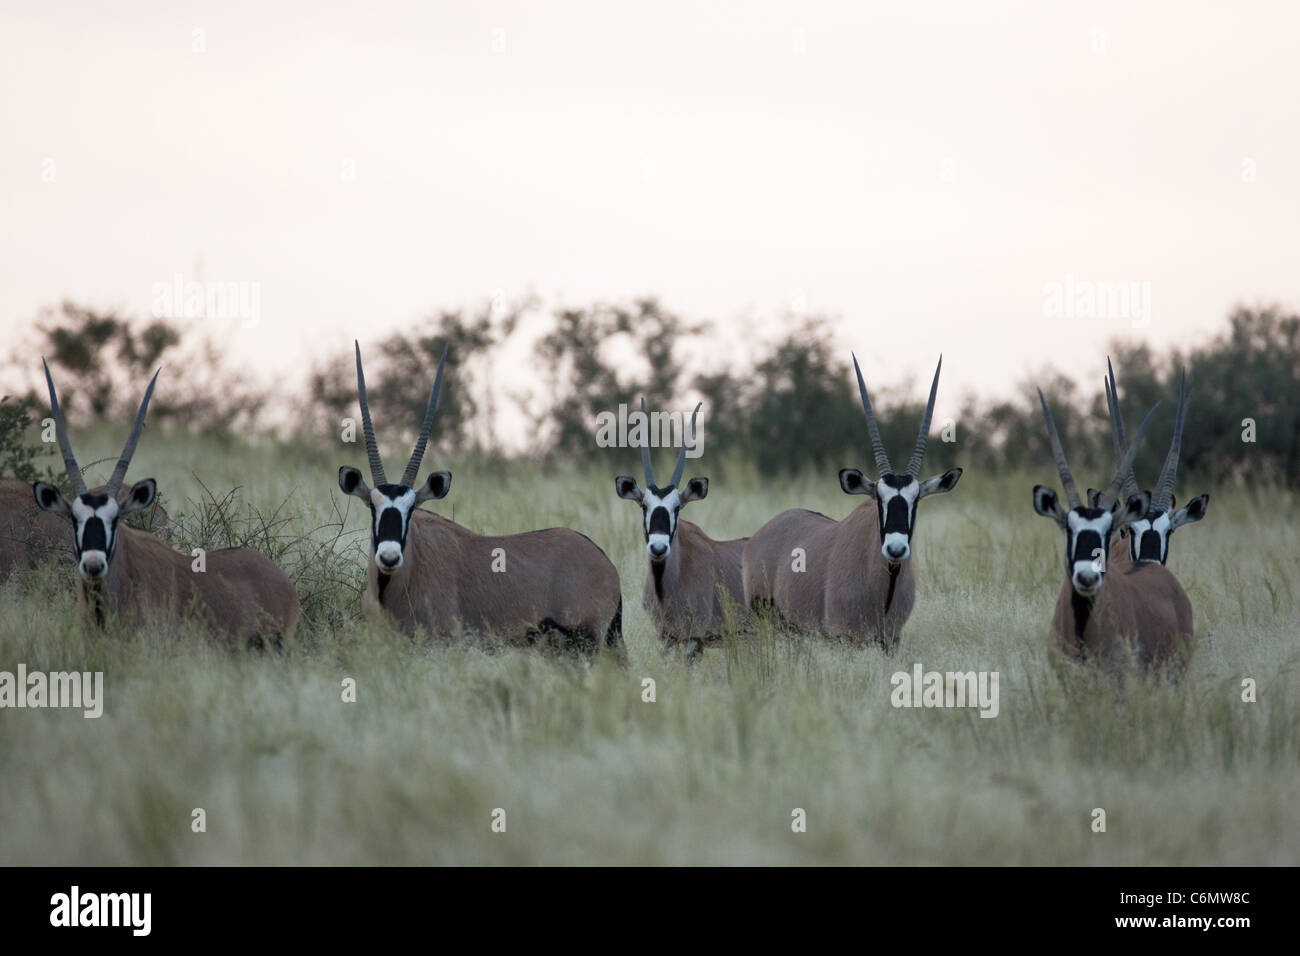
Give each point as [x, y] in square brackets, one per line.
[923, 436]
[128, 450]
[1062, 466]
[372, 449]
[681, 455]
[883, 467]
[61, 431]
[413, 466]
[1117, 428]
[1126, 463]
[646, 464]
[1165, 486]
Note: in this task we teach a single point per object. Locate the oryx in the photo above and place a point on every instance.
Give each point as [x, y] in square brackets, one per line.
[1148, 536]
[852, 577]
[691, 577]
[430, 572]
[1113, 613]
[240, 592]
[30, 536]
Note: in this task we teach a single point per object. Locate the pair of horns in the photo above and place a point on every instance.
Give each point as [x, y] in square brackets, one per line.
[1164, 493]
[65, 446]
[1109, 497]
[883, 466]
[372, 447]
[681, 455]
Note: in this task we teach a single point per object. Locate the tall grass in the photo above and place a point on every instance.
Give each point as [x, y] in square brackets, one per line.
[586, 770]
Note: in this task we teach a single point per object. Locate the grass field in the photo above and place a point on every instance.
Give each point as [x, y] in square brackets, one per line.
[439, 737]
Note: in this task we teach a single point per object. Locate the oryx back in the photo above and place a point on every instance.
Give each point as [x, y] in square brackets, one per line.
[690, 595]
[28, 536]
[555, 583]
[239, 593]
[830, 575]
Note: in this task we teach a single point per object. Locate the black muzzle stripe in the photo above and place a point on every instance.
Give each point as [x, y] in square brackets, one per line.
[1086, 546]
[898, 516]
[1150, 548]
[660, 522]
[94, 536]
[391, 526]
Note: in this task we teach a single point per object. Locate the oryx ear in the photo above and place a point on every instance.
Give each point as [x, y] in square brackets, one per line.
[1126, 512]
[695, 489]
[351, 483]
[1046, 504]
[1194, 511]
[940, 484]
[626, 487]
[140, 496]
[435, 486]
[1094, 497]
[50, 499]
[854, 482]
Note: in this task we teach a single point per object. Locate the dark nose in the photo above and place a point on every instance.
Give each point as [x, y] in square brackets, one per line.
[1087, 578]
[94, 568]
[896, 550]
[389, 561]
[658, 550]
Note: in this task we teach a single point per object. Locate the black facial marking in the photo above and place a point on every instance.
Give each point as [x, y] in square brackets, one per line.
[660, 522]
[657, 570]
[390, 525]
[94, 537]
[1086, 546]
[896, 481]
[898, 516]
[1149, 549]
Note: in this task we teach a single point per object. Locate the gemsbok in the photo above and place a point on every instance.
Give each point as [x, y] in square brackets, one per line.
[129, 574]
[1148, 537]
[29, 536]
[430, 572]
[1119, 613]
[849, 578]
[691, 577]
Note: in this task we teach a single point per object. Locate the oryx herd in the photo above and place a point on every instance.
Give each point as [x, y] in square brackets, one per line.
[850, 579]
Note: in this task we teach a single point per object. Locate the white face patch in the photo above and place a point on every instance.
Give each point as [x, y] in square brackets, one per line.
[660, 532]
[391, 518]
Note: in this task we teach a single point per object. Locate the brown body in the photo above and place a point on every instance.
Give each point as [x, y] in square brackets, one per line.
[241, 593]
[845, 589]
[555, 581]
[30, 536]
[684, 595]
[1142, 615]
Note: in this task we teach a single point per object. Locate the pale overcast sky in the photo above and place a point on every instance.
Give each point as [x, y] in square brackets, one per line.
[922, 172]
